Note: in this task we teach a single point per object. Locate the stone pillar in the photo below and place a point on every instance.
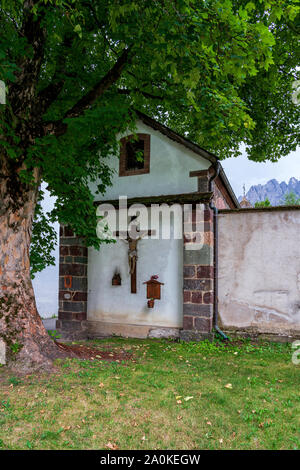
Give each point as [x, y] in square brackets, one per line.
[73, 261]
[198, 274]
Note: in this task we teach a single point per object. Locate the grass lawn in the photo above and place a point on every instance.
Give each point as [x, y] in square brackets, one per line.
[168, 396]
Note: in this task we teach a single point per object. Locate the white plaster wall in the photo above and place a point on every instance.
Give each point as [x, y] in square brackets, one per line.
[170, 165]
[45, 283]
[259, 270]
[116, 304]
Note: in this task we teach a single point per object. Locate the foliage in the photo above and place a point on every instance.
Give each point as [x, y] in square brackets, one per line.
[171, 395]
[291, 199]
[265, 203]
[43, 241]
[15, 380]
[220, 72]
[54, 334]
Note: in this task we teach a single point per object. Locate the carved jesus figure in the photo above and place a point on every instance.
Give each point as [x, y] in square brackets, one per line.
[132, 251]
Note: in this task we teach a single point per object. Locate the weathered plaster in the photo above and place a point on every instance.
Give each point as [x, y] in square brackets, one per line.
[259, 271]
[170, 165]
[116, 304]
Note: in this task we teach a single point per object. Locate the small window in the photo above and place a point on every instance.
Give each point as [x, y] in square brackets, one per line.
[135, 155]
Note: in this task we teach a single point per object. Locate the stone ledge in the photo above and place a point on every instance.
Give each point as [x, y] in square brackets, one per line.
[254, 335]
[164, 332]
[195, 336]
[90, 329]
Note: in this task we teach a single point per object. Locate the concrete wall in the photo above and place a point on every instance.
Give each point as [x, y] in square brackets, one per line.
[170, 165]
[259, 270]
[116, 304]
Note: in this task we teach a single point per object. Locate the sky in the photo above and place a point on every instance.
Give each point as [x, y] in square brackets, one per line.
[242, 171]
[239, 171]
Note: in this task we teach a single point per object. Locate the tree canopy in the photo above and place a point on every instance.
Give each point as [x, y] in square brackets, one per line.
[219, 72]
[291, 199]
[265, 203]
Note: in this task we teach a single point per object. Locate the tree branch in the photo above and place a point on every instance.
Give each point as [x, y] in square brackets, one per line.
[111, 77]
[125, 91]
[50, 93]
[59, 127]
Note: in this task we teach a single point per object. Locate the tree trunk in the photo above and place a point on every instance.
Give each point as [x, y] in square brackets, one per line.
[28, 345]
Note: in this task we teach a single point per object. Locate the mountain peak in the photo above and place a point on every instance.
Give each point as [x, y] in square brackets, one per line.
[273, 190]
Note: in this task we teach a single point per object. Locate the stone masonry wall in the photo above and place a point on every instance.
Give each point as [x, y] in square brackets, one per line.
[72, 311]
[198, 273]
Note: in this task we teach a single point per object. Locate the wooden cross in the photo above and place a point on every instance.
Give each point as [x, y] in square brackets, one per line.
[132, 252]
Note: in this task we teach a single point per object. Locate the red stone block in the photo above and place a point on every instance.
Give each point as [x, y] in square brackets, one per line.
[64, 250]
[205, 272]
[203, 324]
[80, 296]
[208, 297]
[186, 296]
[197, 297]
[75, 250]
[188, 323]
[79, 316]
[72, 269]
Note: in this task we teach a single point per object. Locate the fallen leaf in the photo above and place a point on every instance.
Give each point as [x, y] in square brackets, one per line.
[111, 446]
[188, 398]
[101, 385]
[179, 417]
[178, 396]
[228, 386]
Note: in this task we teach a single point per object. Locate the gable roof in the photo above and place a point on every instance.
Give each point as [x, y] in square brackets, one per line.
[191, 146]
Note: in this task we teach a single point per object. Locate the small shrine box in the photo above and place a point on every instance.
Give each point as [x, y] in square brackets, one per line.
[153, 289]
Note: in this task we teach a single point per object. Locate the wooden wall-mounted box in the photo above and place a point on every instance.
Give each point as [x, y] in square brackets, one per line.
[153, 289]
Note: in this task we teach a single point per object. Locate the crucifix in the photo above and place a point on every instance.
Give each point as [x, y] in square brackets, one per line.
[132, 251]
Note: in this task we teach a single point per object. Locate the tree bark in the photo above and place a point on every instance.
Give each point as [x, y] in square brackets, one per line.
[28, 345]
